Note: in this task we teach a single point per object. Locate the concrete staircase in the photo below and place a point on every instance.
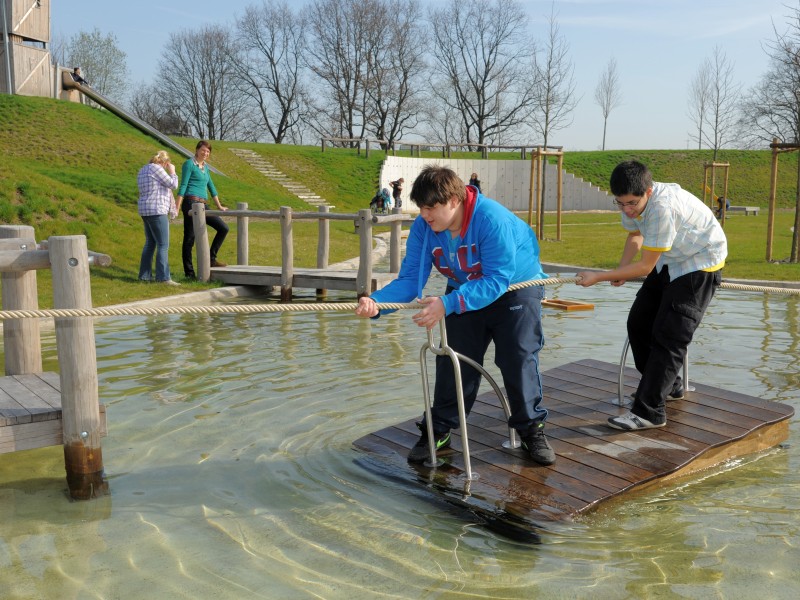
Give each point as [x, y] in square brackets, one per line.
[263, 166]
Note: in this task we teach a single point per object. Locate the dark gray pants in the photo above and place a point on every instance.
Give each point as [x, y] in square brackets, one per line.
[661, 324]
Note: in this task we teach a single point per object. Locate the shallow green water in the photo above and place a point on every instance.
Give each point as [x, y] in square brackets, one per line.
[232, 474]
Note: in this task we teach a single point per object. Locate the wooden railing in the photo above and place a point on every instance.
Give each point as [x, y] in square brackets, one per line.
[363, 221]
[69, 260]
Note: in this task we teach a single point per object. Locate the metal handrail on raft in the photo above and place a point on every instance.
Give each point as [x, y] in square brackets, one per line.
[623, 359]
[442, 350]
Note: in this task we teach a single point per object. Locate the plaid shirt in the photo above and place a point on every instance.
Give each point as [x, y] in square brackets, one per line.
[155, 190]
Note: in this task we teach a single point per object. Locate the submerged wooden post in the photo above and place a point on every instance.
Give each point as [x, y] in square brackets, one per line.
[242, 236]
[287, 254]
[77, 359]
[364, 276]
[323, 242]
[21, 340]
[203, 267]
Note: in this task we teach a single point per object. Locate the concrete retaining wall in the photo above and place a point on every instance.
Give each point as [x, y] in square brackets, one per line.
[507, 181]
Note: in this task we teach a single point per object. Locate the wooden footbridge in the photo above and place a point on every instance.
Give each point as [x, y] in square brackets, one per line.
[362, 281]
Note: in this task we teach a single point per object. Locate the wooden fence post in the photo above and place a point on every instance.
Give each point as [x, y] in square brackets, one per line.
[77, 359]
[364, 276]
[203, 267]
[287, 254]
[242, 236]
[22, 343]
[395, 243]
[323, 242]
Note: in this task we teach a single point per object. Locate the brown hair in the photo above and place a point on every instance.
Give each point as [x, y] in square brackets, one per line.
[201, 144]
[436, 184]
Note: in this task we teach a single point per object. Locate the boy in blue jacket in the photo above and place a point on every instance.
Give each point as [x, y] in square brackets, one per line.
[481, 248]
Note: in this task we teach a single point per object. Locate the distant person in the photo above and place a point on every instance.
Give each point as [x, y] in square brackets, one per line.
[481, 248]
[77, 77]
[381, 201]
[195, 185]
[720, 201]
[683, 249]
[397, 190]
[474, 181]
[156, 181]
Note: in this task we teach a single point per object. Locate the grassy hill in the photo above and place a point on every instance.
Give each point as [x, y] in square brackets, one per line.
[69, 169]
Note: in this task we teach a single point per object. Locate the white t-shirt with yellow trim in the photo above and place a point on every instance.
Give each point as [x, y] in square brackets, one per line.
[685, 231]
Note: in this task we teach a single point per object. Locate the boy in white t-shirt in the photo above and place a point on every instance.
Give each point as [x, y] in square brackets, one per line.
[683, 250]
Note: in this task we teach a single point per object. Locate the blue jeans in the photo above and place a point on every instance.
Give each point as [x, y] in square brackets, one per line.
[156, 241]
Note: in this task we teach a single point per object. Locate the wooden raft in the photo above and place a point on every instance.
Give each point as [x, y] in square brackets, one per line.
[594, 462]
[30, 412]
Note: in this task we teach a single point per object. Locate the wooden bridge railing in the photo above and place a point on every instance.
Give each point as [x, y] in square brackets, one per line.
[69, 259]
[364, 221]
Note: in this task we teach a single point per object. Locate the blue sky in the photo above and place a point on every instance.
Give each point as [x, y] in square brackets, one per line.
[658, 46]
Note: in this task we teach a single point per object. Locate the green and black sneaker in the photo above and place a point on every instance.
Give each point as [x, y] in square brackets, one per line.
[420, 452]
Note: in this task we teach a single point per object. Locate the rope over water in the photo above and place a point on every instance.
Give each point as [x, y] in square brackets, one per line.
[110, 311]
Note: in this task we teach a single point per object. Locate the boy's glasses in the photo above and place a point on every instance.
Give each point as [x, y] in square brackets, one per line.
[630, 204]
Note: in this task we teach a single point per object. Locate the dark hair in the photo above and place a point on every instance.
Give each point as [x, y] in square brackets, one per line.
[437, 185]
[201, 144]
[630, 177]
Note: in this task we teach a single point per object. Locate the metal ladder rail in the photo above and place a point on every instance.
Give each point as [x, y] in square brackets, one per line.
[623, 358]
[456, 358]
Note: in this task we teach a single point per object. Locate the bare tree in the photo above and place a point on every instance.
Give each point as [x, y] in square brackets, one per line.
[555, 99]
[699, 100]
[338, 54]
[607, 93]
[772, 108]
[721, 116]
[484, 60]
[270, 68]
[146, 103]
[197, 75]
[395, 68]
[101, 61]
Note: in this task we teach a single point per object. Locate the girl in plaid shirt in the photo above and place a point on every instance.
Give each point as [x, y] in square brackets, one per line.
[156, 181]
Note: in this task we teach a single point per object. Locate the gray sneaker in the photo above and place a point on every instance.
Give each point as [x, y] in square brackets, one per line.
[631, 422]
[538, 448]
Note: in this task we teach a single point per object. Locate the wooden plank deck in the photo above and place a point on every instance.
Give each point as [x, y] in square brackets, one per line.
[594, 462]
[314, 279]
[30, 412]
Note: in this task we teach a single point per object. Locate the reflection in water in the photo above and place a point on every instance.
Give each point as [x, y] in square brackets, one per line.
[232, 473]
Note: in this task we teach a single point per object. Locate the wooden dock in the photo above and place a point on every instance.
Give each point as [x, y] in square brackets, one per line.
[30, 412]
[595, 463]
[314, 279]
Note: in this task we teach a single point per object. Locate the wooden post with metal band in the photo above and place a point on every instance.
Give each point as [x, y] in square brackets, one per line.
[77, 359]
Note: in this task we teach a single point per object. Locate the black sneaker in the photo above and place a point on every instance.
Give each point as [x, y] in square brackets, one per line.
[536, 445]
[421, 452]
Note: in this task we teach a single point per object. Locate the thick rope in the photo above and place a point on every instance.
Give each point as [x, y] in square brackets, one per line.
[110, 311]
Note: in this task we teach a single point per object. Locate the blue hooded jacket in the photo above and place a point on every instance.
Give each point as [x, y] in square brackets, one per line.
[494, 249]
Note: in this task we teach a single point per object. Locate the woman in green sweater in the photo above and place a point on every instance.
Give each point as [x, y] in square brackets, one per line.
[195, 185]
